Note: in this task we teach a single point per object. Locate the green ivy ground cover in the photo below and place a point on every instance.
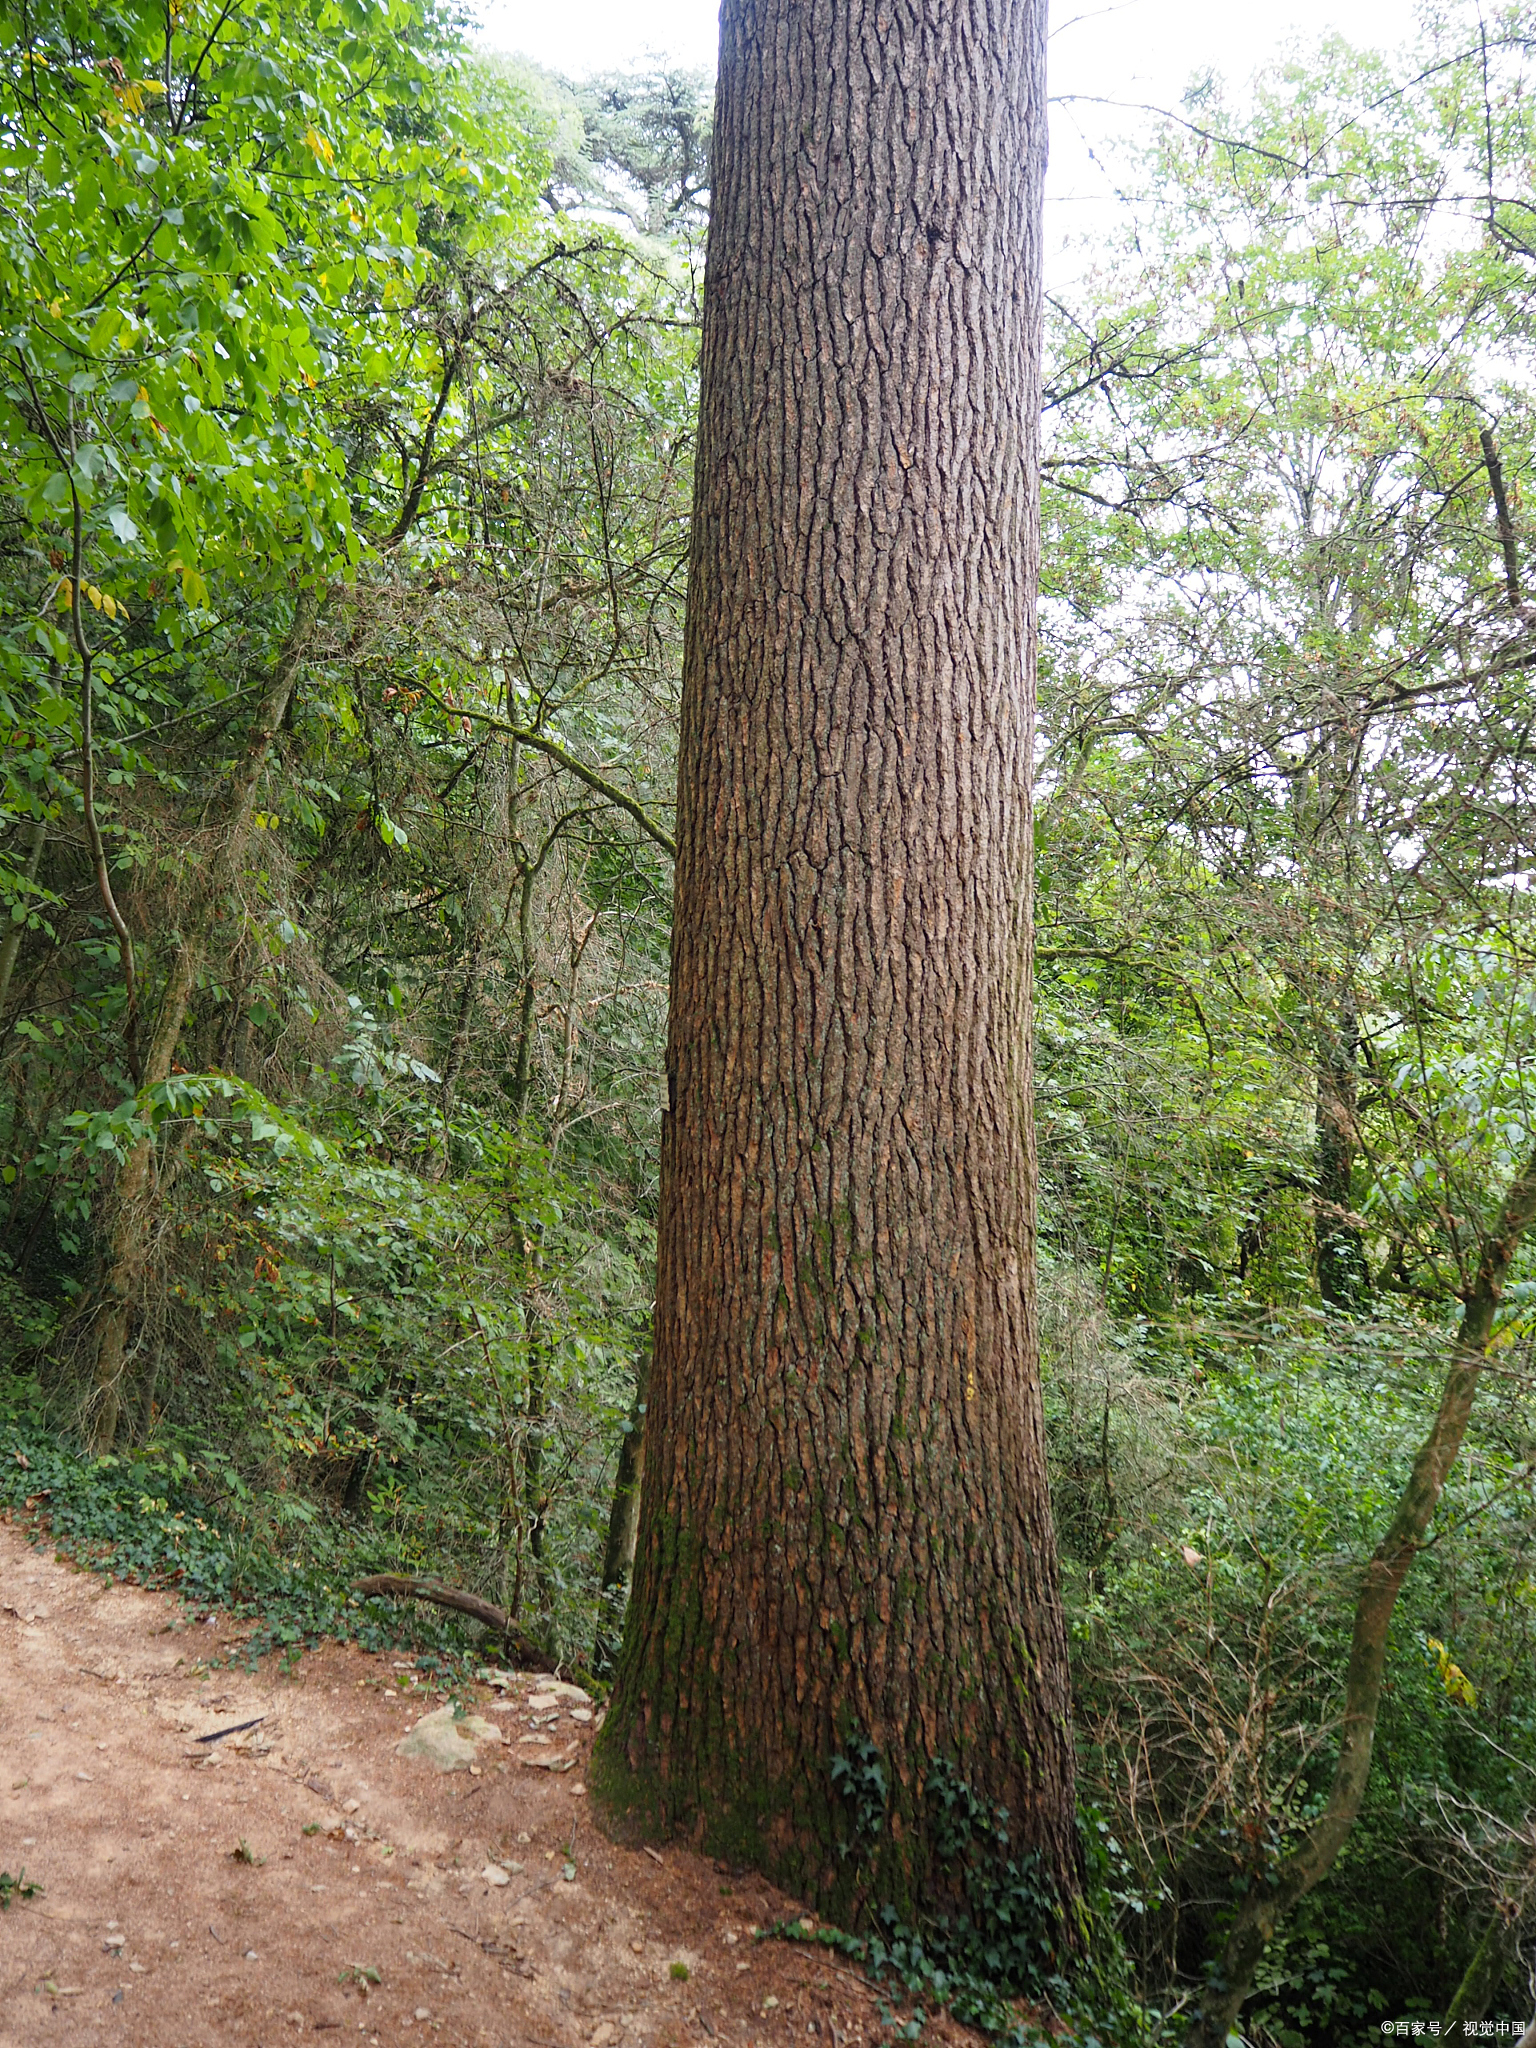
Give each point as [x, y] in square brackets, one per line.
[141, 1519]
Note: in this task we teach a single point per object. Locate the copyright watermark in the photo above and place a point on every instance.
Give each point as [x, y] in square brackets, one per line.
[1455, 2030]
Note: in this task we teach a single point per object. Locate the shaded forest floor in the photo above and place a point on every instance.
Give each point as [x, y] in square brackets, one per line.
[301, 1877]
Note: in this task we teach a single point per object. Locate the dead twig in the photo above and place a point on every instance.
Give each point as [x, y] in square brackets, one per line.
[389, 1586]
[239, 1728]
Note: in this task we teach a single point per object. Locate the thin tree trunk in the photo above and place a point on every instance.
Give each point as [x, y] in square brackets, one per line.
[130, 1220]
[522, 1058]
[845, 1528]
[623, 1520]
[570, 1036]
[1343, 1277]
[240, 1046]
[1266, 1905]
[12, 946]
[1498, 1948]
[535, 1503]
[458, 1044]
[1329, 828]
[624, 1516]
[389, 1586]
[131, 1214]
[1483, 1974]
[500, 769]
[149, 1390]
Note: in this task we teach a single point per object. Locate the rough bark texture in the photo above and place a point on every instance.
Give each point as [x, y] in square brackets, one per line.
[1264, 1907]
[845, 1529]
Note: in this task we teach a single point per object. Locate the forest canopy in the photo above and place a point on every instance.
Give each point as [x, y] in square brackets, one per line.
[347, 419]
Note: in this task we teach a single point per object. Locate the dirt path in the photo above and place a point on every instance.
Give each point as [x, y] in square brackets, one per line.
[384, 1900]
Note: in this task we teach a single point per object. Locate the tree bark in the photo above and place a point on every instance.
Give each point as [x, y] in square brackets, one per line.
[1484, 1973]
[130, 1220]
[623, 1522]
[1343, 1276]
[469, 993]
[845, 1528]
[624, 1516]
[1264, 1906]
[1328, 819]
[37, 832]
[390, 1586]
[1496, 1951]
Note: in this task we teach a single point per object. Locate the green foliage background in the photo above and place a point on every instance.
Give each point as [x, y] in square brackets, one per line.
[326, 342]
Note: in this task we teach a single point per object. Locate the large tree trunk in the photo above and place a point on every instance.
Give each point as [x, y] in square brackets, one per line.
[129, 1224]
[845, 1528]
[1265, 1905]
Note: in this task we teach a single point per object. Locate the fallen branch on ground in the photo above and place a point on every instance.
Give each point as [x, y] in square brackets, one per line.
[527, 1654]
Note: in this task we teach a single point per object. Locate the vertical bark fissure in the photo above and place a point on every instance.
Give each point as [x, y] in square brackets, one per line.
[844, 1522]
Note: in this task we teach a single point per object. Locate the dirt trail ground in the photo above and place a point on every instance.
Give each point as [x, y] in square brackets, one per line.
[385, 1901]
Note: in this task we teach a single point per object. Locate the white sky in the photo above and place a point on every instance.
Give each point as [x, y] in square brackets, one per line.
[1129, 50]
